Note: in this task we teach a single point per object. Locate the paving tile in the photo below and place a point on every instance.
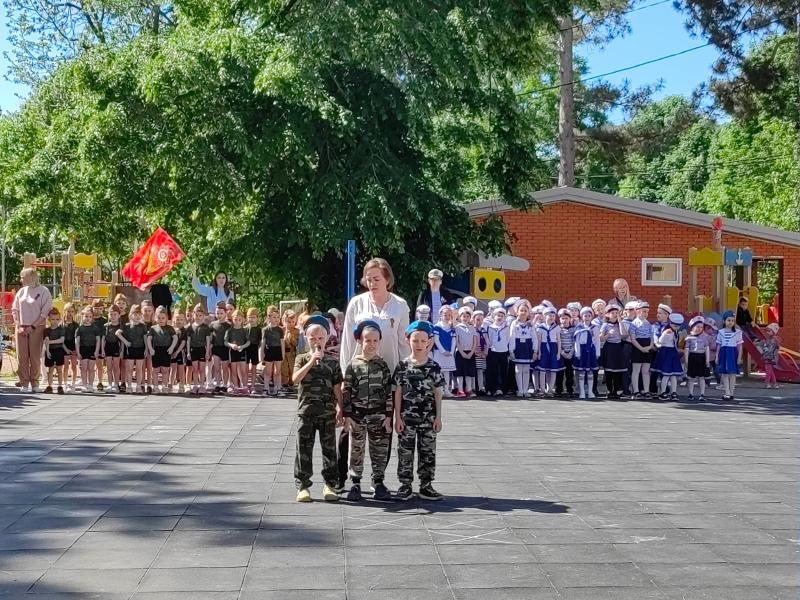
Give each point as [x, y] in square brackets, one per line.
[475, 576]
[292, 578]
[564, 575]
[115, 581]
[420, 577]
[193, 580]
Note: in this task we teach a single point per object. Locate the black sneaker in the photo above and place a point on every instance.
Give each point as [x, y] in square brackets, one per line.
[404, 492]
[60, 389]
[354, 495]
[426, 492]
[674, 396]
[381, 493]
[122, 388]
[701, 398]
[690, 398]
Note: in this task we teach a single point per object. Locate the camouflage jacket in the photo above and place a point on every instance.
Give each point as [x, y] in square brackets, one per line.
[367, 390]
[417, 384]
[315, 391]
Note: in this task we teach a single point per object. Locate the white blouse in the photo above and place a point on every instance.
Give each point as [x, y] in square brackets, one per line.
[393, 319]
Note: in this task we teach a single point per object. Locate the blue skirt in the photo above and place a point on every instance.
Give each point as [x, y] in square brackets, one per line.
[549, 359]
[728, 361]
[587, 360]
[668, 362]
[523, 351]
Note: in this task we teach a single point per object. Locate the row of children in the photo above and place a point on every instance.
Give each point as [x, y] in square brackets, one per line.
[541, 350]
[145, 348]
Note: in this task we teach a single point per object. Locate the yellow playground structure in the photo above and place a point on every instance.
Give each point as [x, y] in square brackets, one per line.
[81, 277]
[723, 296]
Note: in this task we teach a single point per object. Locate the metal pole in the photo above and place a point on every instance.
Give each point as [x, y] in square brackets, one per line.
[350, 284]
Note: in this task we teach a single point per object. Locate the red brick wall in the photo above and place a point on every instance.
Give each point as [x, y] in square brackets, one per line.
[577, 251]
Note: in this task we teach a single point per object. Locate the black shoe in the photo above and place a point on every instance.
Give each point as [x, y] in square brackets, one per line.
[381, 493]
[664, 396]
[701, 398]
[690, 398]
[426, 492]
[674, 396]
[122, 387]
[404, 492]
[354, 495]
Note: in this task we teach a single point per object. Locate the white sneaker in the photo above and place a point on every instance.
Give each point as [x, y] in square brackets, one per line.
[169, 388]
[180, 388]
[591, 395]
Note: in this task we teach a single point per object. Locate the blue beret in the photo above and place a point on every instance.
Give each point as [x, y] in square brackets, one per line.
[728, 314]
[359, 329]
[318, 320]
[419, 326]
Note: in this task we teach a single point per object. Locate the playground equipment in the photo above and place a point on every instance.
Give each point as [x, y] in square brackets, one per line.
[722, 296]
[81, 277]
[787, 370]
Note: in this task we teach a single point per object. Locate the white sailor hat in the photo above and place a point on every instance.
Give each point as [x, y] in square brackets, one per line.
[632, 305]
[470, 300]
[698, 320]
[642, 304]
[667, 309]
[549, 310]
[573, 305]
[676, 318]
[511, 301]
[495, 304]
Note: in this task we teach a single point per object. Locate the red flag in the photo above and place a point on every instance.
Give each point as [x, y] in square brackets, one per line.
[716, 224]
[153, 260]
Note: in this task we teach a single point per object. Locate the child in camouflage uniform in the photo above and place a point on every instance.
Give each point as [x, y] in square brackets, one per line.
[319, 379]
[368, 408]
[419, 386]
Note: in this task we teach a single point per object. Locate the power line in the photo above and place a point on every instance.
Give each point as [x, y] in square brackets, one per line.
[622, 14]
[646, 62]
[666, 170]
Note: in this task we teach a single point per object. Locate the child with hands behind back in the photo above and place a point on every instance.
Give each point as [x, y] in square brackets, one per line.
[368, 408]
[419, 387]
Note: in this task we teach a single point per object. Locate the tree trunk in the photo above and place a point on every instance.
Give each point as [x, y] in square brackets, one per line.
[566, 110]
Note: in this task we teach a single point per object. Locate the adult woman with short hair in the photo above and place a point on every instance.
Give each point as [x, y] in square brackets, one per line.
[31, 305]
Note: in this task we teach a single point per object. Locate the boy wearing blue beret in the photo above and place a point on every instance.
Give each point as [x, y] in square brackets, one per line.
[419, 386]
[319, 380]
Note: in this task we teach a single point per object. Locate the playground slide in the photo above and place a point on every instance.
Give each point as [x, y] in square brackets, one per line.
[788, 368]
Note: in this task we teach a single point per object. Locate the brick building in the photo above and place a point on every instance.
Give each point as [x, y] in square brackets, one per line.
[579, 241]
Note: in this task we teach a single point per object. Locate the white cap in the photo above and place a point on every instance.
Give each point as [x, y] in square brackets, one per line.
[470, 300]
[464, 310]
[642, 304]
[667, 309]
[549, 310]
[435, 274]
[573, 305]
[773, 327]
[632, 305]
[423, 308]
[495, 304]
[511, 301]
[538, 309]
[676, 318]
[547, 303]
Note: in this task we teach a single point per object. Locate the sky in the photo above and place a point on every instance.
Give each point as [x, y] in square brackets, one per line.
[656, 31]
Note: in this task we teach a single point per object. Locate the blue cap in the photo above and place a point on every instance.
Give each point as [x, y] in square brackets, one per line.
[359, 329]
[318, 320]
[728, 314]
[419, 326]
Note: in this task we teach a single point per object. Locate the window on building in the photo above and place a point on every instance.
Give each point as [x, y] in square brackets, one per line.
[662, 271]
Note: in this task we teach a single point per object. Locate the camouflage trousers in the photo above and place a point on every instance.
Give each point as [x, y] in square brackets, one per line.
[307, 428]
[423, 439]
[379, 441]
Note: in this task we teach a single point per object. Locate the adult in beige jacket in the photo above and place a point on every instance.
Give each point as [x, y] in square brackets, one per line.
[31, 305]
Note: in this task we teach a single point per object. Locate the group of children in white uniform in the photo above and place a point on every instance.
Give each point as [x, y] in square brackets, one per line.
[541, 350]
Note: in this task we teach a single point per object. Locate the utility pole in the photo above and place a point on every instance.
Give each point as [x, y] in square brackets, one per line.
[566, 106]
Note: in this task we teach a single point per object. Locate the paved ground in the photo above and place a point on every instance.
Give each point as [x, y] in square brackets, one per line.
[166, 498]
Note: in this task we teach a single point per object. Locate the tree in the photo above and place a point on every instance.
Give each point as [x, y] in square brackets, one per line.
[264, 136]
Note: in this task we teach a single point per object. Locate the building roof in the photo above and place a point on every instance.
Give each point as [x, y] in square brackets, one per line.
[643, 209]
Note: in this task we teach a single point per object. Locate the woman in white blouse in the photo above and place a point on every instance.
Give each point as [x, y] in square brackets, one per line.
[378, 304]
[31, 306]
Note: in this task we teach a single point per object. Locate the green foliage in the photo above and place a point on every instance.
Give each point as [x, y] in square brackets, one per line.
[264, 136]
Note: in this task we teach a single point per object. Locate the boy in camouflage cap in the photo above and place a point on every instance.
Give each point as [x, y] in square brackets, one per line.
[368, 409]
[319, 380]
[419, 386]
